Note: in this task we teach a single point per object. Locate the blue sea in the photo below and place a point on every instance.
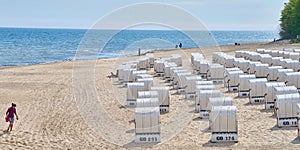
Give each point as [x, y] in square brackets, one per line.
[26, 46]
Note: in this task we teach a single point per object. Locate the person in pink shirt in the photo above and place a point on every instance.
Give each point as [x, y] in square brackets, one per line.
[10, 113]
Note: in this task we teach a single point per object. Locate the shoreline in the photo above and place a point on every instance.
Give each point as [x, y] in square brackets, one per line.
[236, 47]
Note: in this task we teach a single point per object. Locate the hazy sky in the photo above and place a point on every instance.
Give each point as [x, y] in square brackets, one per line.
[214, 14]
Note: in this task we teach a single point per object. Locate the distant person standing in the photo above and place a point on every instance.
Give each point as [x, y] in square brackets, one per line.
[139, 52]
[180, 45]
[10, 113]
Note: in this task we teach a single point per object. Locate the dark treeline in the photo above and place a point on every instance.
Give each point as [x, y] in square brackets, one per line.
[290, 20]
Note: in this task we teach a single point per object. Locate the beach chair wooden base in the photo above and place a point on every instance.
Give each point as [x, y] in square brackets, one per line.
[224, 137]
[120, 81]
[287, 122]
[124, 84]
[196, 72]
[180, 91]
[269, 105]
[204, 114]
[147, 138]
[164, 108]
[233, 89]
[216, 81]
[143, 69]
[190, 96]
[257, 100]
[167, 80]
[225, 84]
[197, 108]
[175, 87]
[159, 74]
[131, 103]
[243, 94]
[203, 75]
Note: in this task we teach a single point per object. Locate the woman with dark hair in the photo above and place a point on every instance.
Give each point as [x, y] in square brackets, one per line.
[10, 113]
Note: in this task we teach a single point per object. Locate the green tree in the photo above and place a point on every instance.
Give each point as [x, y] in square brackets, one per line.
[290, 20]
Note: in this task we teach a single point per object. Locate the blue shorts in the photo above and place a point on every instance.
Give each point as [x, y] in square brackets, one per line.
[11, 120]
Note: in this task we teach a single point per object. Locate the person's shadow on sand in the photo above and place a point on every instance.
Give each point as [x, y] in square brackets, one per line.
[3, 133]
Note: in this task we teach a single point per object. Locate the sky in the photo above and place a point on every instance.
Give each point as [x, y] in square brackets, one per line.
[214, 14]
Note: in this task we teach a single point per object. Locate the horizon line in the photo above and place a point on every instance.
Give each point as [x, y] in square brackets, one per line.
[77, 28]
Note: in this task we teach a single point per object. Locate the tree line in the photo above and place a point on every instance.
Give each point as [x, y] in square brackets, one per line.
[290, 20]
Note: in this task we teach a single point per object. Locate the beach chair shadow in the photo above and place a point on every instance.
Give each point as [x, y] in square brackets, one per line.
[210, 144]
[204, 119]
[122, 107]
[197, 119]
[122, 87]
[164, 113]
[176, 93]
[192, 105]
[183, 99]
[275, 128]
[162, 82]
[206, 130]
[224, 88]
[133, 144]
[273, 116]
[193, 112]
[240, 98]
[296, 140]
[130, 131]
[237, 97]
[267, 110]
[131, 121]
[247, 104]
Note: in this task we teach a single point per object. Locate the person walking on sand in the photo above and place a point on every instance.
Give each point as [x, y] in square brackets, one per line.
[139, 52]
[10, 113]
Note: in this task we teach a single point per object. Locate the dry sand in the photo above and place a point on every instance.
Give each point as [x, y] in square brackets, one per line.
[57, 111]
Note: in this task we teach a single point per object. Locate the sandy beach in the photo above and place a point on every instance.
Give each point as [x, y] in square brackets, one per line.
[51, 116]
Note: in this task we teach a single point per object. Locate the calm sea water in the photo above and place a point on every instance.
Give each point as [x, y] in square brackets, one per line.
[20, 46]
